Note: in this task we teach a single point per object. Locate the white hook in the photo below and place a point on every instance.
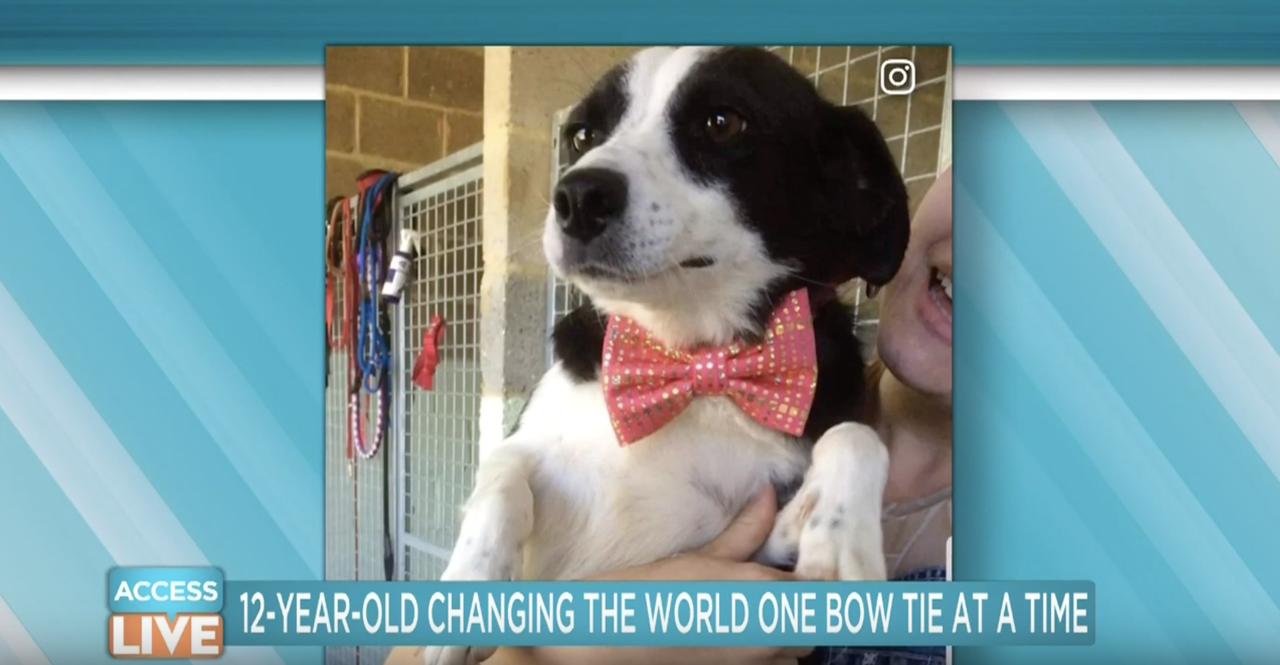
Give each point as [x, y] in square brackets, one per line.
[410, 239]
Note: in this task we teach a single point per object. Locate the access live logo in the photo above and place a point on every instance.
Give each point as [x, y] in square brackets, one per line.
[164, 613]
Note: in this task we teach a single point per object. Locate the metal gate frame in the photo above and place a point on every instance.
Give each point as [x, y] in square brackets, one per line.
[432, 180]
[343, 477]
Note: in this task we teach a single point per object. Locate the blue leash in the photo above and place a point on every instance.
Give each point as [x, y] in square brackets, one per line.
[372, 353]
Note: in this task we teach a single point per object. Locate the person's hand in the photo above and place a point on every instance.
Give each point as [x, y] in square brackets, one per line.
[724, 559]
[727, 558]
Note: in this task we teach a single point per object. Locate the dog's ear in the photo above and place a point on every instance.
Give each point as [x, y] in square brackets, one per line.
[866, 196]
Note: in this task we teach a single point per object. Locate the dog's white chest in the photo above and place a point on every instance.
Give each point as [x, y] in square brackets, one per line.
[599, 506]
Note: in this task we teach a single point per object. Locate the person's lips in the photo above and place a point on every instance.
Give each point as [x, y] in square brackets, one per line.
[935, 306]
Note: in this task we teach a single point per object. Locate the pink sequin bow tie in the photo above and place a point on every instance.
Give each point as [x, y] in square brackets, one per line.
[647, 385]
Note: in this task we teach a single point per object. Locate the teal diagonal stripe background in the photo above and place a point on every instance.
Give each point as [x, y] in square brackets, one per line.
[161, 367]
[1117, 380]
[1117, 375]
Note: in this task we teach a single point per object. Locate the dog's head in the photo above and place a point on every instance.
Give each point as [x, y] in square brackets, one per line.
[705, 182]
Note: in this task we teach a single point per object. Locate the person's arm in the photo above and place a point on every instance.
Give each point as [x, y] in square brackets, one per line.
[724, 559]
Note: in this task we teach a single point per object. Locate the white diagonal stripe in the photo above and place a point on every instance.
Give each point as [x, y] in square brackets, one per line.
[15, 635]
[82, 454]
[226, 403]
[1263, 126]
[1164, 264]
[90, 465]
[1113, 438]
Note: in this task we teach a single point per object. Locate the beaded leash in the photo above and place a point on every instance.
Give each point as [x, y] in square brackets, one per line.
[372, 357]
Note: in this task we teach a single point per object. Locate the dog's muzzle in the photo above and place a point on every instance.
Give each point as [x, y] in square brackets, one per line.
[588, 201]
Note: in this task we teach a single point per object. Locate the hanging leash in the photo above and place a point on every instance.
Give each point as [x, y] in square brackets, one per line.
[357, 254]
[350, 286]
[381, 285]
[335, 258]
[372, 356]
[380, 193]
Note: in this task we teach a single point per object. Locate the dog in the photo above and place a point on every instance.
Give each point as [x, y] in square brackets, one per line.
[706, 187]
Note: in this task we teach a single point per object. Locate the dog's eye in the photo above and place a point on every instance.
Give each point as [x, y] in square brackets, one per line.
[724, 125]
[582, 138]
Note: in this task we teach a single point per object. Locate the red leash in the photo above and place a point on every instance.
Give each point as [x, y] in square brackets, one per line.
[336, 330]
[350, 282]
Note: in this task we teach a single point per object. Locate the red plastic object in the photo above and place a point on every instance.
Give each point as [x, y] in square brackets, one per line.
[424, 368]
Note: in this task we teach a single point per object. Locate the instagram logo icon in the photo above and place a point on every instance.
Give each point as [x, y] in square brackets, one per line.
[897, 77]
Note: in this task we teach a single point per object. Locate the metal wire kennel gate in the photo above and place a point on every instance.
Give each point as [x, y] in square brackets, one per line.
[917, 128]
[430, 448]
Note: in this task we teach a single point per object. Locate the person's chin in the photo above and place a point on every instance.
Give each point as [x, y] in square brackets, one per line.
[915, 341]
[914, 352]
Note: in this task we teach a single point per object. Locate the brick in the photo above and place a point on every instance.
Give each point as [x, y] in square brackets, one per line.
[856, 52]
[895, 148]
[831, 86]
[401, 132]
[896, 53]
[863, 80]
[803, 58]
[340, 175]
[926, 106]
[342, 170]
[931, 61]
[922, 154]
[448, 77]
[891, 114]
[462, 131]
[473, 50]
[374, 68]
[830, 56]
[339, 121]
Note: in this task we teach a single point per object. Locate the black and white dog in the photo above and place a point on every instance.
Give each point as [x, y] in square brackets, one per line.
[706, 185]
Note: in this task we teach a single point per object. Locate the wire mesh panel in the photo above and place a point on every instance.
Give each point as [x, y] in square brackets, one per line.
[339, 514]
[914, 126]
[439, 428]
[430, 452]
[355, 489]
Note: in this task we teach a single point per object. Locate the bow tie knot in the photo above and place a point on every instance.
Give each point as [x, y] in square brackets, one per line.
[709, 373]
[647, 385]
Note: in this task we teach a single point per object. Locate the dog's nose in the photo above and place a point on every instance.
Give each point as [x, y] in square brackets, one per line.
[588, 200]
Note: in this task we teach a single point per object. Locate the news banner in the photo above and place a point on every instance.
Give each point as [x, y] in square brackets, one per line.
[196, 613]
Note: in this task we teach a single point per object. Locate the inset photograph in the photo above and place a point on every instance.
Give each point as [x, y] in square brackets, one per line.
[582, 303]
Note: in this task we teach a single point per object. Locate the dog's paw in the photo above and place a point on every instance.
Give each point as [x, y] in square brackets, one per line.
[456, 655]
[488, 547]
[476, 558]
[836, 544]
[482, 560]
[831, 529]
